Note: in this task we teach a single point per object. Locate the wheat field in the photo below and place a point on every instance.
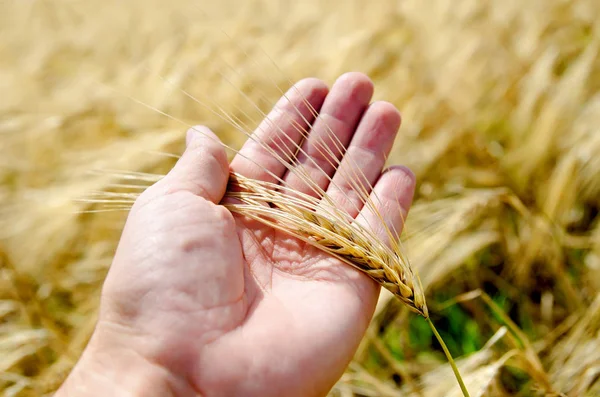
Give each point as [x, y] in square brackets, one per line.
[501, 125]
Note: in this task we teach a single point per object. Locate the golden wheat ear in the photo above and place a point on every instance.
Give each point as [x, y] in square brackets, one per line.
[330, 230]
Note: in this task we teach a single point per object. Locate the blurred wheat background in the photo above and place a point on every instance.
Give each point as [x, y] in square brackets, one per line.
[501, 124]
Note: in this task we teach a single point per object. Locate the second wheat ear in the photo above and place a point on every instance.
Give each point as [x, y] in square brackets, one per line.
[331, 230]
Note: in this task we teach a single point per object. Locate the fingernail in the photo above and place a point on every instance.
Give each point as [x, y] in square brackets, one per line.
[410, 175]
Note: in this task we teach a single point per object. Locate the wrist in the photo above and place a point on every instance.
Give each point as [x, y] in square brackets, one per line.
[109, 368]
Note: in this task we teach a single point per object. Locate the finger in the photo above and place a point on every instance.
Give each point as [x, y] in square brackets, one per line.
[203, 168]
[330, 134]
[390, 201]
[366, 155]
[274, 143]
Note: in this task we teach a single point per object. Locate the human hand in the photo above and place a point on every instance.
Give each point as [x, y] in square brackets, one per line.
[201, 302]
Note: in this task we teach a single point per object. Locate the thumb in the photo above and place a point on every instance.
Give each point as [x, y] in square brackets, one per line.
[203, 169]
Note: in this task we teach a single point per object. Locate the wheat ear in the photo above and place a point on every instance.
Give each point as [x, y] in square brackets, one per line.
[330, 230]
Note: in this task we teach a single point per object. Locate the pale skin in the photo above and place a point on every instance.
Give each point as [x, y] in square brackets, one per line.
[200, 302]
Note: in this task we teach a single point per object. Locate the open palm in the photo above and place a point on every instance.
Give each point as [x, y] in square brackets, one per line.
[227, 306]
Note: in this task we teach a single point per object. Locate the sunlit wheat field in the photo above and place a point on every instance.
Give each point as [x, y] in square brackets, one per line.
[500, 103]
